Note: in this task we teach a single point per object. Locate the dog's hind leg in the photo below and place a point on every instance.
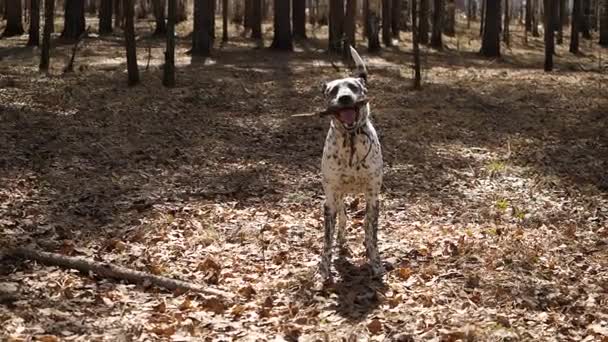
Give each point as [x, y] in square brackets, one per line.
[371, 232]
[341, 239]
[330, 209]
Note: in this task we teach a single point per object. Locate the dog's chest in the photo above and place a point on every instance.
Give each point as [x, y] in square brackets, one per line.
[352, 162]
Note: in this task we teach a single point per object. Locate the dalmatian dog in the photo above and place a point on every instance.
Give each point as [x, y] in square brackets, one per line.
[351, 164]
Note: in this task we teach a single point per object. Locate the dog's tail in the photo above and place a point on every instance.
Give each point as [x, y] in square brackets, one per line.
[361, 69]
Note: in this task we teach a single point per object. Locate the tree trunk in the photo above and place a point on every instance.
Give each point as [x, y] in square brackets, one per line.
[373, 39]
[132, 69]
[180, 12]
[74, 23]
[575, 26]
[349, 28]
[436, 39]
[336, 26]
[396, 18]
[158, 7]
[483, 17]
[119, 18]
[282, 39]
[14, 15]
[248, 15]
[586, 24]
[562, 15]
[34, 33]
[423, 24]
[49, 16]
[201, 33]
[449, 26]
[549, 35]
[224, 21]
[387, 38]
[529, 15]
[365, 13]
[604, 24]
[169, 69]
[105, 17]
[490, 45]
[299, 19]
[256, 20]
[92, 7]
[416, 47]
[535, 18]
[506, 34]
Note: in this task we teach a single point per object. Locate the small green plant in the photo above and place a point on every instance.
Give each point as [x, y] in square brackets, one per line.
[502, 204]
[495, 167]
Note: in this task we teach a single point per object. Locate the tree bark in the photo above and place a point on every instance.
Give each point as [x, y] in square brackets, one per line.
[169, 68]
[449, 26]
[132, 69]
[107, 270]
[49, 16]
[416, 47]
[74, 23]
[373, 38]
[387, 37]
[506, 34]
[575, 26]
[423, 24]
[528, 15]
[34, 38]
[561, 18]
[549, 35]
[336, 26]
[349, 28]
[396, 18]
[365, 13]
[256, 20]
[14, 16]
[604, 23]
[282, 39]
[586, 24]
[158, 7]
[299, 19]
[180, 12]
[201, 33]
[490, 45]
[105, 17]
[224, 21]
[436, 39]
[483, 18]
[119, 18]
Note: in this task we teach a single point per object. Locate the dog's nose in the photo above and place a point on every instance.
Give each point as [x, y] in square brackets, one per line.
[345, 100]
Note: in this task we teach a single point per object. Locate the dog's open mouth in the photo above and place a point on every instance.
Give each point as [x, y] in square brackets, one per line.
[348, 116]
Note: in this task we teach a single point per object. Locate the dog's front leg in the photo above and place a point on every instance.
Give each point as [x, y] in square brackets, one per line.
[330, 208]
[371, 232]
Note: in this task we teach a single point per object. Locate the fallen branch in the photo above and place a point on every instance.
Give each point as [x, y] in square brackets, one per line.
[107, 270]
[331, 110]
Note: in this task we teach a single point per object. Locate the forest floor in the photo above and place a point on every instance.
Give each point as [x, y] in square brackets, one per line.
[494, 220]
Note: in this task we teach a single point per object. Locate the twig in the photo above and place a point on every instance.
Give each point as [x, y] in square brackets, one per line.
[331, 110]
[70, 66]
[107, 270]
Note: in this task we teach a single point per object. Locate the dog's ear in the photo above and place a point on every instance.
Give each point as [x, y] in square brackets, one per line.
[324, 88]
[361, 71]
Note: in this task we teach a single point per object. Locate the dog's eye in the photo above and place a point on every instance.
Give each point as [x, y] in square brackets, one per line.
[333, 91]
[353, 88]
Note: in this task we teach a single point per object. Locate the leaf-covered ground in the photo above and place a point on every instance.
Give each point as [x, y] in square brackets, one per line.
[494, 211]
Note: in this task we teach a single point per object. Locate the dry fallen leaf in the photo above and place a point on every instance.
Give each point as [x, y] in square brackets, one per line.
[374, 326]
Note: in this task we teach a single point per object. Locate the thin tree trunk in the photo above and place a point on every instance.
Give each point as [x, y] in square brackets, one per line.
[282, 39]
[201, 34]
[132, 68]
[436, 36]
[535, 18]
[604, 24]
[248, 15]
[158, 6]
[14, 15]
[224, 21]
[256, 20]
[549, 35]
[181, 14]
[74, 23]
[92, 7]
[529, 15]
[449, 25]
[119, 18]
[482, 23]
[49, 16]
[396, 18]
[562, 21]
[105, 17]
[423, 24]
[336, 25]
[169, 69]
[373, 39]
[490, 45]
[299, 19]
[387, 38]
[575, 26]
[365, 13]
[34, 38]
[416, 47]
[349, 28]
[506, 34]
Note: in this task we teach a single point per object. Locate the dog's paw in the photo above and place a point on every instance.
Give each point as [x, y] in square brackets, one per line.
[377, 269]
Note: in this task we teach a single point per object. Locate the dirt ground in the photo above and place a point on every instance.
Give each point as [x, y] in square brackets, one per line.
[494, 210]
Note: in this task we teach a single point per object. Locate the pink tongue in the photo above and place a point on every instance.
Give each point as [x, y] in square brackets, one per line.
[348, 116]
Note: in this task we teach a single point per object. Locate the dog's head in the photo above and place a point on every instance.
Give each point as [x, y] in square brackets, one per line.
[347, 97]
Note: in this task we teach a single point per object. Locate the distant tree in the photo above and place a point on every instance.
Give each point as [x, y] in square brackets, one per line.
[490, 44]
[483, 17]
[169, 68]
[423, 22]
[575, 27]
[365, 15]
[396, 9]
[436, 39]
[336, 25]
[256, 20]
[586, 22]
[92, 7]
[449, 25]
[506, 34]
[14, 16]
[224, 21]
[201, 33]
[373, 26]
[529, 15]
[132, 69]
[45, 52]
[105, 17]
[119, 18]
[549, 35]
[181, 14]
[349, 28]
[416, 47]
[34, 34]
[74, 21]
[387, 18]
[299, 19]
[561, 20]
[604, 23]
[282, 39]
[158, 7]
